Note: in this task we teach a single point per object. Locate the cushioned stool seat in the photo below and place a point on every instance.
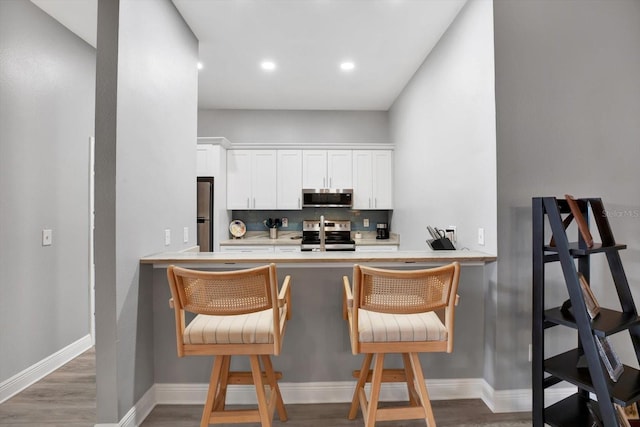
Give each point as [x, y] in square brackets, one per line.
[394, 311]
[237, 313]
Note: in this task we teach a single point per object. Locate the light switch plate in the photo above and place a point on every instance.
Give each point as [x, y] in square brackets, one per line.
[167, 237]
[185, 235]
[47, 237]
[366, 222]
[481, 236]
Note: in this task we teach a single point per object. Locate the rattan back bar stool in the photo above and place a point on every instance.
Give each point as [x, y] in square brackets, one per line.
[239, 312]
[395, 311]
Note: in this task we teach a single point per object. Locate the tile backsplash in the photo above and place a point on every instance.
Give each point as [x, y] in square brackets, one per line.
[254, 218]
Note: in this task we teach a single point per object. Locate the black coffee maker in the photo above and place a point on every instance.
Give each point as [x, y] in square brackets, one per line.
[383, 230]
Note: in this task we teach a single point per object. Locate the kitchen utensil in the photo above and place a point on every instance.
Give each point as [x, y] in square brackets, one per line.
[237, 228]
[272, 222]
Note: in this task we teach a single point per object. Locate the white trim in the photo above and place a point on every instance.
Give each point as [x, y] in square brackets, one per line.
[215, 140]
[340, 392]
[292, 145]
[36, 372]
[141, 410]
[92, 226]
[519, 400]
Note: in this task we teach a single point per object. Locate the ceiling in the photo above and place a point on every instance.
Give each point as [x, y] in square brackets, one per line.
[387, 40]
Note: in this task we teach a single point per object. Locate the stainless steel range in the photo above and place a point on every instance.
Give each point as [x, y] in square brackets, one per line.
[327, 235]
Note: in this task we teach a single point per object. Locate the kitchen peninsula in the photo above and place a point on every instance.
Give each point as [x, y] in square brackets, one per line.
[316, 360]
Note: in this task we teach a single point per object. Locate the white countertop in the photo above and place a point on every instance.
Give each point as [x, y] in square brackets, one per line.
[317, 259]
[294, 238]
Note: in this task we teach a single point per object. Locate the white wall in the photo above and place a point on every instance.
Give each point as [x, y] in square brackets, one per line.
[443, 127]
[146, 121]
[295, 127]
[47, 95]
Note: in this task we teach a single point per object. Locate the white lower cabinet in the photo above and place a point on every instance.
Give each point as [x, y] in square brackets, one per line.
[260, 248]
[377, 248]
[283, 249]
[247, 248]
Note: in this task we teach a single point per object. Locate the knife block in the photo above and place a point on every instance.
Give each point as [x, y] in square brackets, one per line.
[442, 244]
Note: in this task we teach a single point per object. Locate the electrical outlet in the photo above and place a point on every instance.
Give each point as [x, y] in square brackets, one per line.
[47, 237]
[450, 233]
[366, 222]
[167, 237]
[285, 222]
[185, 235]
[481, 236]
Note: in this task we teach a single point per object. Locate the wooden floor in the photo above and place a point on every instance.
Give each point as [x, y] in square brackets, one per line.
[67, 398]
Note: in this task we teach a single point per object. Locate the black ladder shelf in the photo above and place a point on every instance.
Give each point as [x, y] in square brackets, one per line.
[579, 409]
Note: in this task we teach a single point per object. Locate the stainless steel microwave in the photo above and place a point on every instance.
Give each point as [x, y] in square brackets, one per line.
[327, 198]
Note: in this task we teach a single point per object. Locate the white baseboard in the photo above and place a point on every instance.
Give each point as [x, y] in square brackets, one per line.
[34, 373]
[340, 392]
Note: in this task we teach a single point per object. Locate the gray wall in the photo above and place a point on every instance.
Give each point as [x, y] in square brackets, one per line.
[47, 82]
[146, 120]
[568, 102]
[295, 127]
[443, 126]
[316, 344]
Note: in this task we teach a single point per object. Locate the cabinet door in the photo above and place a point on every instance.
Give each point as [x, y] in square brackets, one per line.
[382, 194]
[246, 248]
[314, 169]
[263, 179]
[377, 248]
[286, 249]
[362, 179]
[204, 160]
[340, 169]
[289, 176]
[239, 179]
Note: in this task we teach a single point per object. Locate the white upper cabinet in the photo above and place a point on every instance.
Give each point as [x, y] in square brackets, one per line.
[251, 179]
[204, 160]
[372, 179]
[289, 179]
[327, 169]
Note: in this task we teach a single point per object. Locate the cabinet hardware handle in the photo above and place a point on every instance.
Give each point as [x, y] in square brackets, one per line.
[248, 203]
[330, 182]
[375, 202]
[254, 203]
[369, 202]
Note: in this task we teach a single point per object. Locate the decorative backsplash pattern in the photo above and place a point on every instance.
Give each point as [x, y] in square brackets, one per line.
[254, 218]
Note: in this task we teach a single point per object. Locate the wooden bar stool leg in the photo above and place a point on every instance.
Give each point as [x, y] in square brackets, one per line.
[362, 380]
[275, 389]
[214, 381]
[376, 383]
[422, 389]
[221, 397]
[411, 388]
[263, 409]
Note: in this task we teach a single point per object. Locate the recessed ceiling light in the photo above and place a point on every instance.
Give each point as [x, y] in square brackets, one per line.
[347, 66]
[268, 65]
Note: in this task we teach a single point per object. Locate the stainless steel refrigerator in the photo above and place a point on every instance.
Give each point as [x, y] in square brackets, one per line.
[205, 213]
